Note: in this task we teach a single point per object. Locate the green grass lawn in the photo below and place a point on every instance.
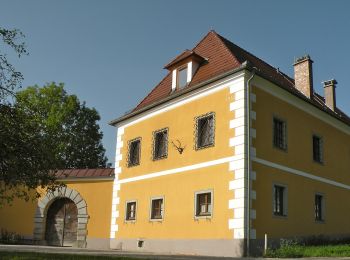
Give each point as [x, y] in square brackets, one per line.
[294, 251]
[42, 256]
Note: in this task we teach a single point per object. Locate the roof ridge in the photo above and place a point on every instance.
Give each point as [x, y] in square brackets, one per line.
[135, 108]
[251, 54]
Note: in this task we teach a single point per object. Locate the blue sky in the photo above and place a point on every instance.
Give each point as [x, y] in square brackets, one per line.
[111, 53]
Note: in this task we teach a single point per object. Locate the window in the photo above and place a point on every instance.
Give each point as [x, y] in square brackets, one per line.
[279, 200]
[157, 208]
[134, 152]
[279, 134]
[203, 204]
[317, 147]
[182, 77]
[160, 144]
[130, 210]
[319, 207]
[205, 131]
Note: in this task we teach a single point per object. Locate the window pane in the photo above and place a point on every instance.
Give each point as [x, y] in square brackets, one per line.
[157, 206]
[205, 131]
[182, 78]
[134, 152]
[203, 204]
[279, 134]
[278, 207]
[160, 144]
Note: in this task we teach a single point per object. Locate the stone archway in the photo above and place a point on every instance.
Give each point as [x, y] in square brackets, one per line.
[44, 204]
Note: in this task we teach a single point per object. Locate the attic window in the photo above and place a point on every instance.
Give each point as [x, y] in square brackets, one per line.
[182, 77]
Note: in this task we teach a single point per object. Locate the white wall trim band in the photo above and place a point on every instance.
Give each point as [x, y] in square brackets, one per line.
[181, 169]
[301, 173]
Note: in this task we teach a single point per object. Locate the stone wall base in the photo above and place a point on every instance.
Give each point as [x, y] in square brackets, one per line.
[204, 247]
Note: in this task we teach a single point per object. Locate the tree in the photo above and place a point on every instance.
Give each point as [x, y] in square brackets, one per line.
[69, 128]
[10, 79]
[25, 161]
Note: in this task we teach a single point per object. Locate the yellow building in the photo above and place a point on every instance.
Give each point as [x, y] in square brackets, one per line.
[185, 180]
[77, 215]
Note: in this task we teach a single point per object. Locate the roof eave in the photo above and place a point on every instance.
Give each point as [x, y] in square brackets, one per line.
[179, 93]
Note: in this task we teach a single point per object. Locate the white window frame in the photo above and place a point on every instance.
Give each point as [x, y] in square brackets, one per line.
[285, 200]
[195, 204]
[162, 210]
[126, 211]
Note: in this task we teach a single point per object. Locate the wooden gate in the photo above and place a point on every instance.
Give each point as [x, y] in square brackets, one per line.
[62, 223]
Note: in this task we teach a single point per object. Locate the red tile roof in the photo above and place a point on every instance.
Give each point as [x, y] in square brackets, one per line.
[224, 56]
[84, 173]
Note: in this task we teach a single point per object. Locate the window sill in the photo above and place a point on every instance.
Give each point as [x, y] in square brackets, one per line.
[204, 147]
[132, 165]
[197, 217]
[320, 221]
[279, 216]
[156, 220]
[160, 158]
[130, 220]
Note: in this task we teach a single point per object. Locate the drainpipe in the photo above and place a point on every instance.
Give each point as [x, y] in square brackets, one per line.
[248, 159]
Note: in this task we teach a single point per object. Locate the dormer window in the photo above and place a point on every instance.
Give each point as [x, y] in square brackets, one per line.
[183, 68]
[182, 77]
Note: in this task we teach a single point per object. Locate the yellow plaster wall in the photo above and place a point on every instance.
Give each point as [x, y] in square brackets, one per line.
[98, 197]
[178, 191]
[301, 191]
[181, 124]
[19, 217]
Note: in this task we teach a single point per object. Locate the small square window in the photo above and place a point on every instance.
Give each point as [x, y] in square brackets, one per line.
[203, 204]
[130, 210]
[134, 152]
[319, 207]
[157, 208]
[205, 133]
[317, 148]
[279, 200]
[279, 134]
[160, 144]
[182, 77]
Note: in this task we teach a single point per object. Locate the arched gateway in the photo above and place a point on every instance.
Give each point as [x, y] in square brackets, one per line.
[61, 223]
[61, 219]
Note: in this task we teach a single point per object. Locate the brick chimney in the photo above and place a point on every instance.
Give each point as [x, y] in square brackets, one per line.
[303, 75]
[329, 93]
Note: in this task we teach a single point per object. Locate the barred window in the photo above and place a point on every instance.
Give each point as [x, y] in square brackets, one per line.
[279, 133]
[203, 204]
[134, 152]
[205, 131]
[131, 210]
[160, 144]
[279, 200]
[317, 145]
[319, 216]
[157, 209]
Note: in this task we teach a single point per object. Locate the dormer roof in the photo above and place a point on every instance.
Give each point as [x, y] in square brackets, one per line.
[183, 57]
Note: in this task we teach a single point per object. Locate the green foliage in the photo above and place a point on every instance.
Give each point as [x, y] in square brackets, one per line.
[291, 248]
[69, 128]
[7, 237]
[10, 79]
